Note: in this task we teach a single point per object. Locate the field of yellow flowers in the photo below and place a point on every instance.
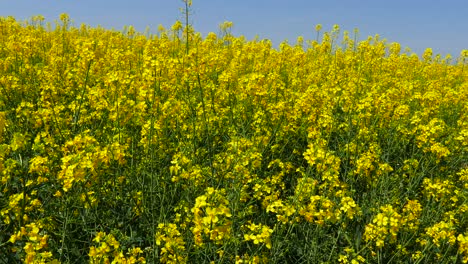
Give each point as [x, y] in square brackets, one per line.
[121, 147]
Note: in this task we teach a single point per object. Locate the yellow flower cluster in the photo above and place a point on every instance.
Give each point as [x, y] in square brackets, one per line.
[19, 205]
[211, 217]
[384, 227]
[463, 246]
[463, 177]
[35, 244]
[438, 189]
[442, 232]
[351, 256]
[283, 211]
[172, 244]
[258, 234]
[108, 251]
[2, 125]
[246, 258]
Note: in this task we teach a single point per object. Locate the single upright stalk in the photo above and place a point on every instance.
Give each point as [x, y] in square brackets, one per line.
[188, 3]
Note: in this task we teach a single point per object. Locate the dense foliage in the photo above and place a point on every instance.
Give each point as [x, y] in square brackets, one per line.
[127, 148]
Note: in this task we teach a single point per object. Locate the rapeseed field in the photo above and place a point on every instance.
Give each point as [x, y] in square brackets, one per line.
[121, 147]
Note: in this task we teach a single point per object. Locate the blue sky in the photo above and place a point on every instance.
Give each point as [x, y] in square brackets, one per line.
[417, 24]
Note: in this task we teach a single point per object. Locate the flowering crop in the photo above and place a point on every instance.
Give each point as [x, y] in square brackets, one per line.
[118, 147]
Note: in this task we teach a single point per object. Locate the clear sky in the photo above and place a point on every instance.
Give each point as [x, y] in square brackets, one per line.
[418, 24]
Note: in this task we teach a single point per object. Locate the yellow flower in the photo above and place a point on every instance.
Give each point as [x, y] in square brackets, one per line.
[2, 125]
[318, 27]
[14, 238]
[99, 236]
[210, 217]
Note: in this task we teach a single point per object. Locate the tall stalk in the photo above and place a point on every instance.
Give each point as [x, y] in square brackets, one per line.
[186, 12]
